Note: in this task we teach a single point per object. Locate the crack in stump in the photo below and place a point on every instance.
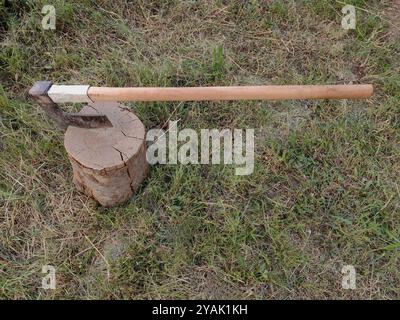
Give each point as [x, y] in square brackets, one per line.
[127, 169]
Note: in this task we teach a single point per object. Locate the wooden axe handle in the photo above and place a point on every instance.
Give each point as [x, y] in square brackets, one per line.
[231, 93]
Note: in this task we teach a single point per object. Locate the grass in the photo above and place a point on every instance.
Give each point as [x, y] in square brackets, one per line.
[324, 193]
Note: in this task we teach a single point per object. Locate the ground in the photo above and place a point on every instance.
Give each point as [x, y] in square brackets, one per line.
[325, 189]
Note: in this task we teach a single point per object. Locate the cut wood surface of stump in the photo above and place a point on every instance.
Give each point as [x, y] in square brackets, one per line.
[108, 163]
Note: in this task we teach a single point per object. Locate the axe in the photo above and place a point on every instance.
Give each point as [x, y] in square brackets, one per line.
[48, 95]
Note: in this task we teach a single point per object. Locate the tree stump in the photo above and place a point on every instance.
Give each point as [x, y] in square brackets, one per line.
[108, 163]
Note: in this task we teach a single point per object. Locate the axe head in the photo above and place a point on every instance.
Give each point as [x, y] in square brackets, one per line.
[40, 92]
